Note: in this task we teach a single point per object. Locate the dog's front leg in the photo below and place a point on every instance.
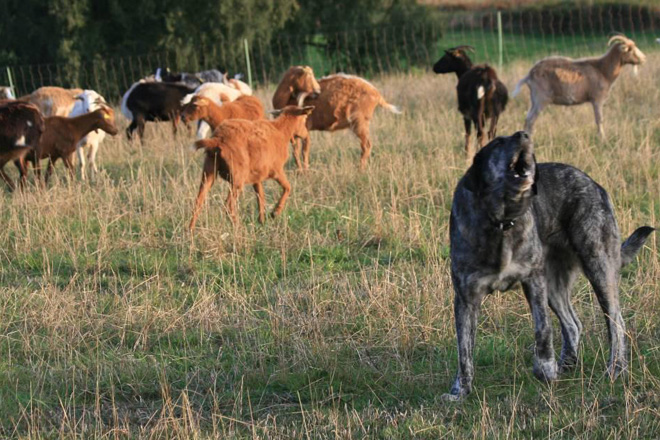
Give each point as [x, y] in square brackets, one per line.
[536, 292]
[467, 303]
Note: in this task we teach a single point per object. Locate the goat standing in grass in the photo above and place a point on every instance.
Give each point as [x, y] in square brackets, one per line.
[61, 135]
[481, 95]
[21, 127]
[243, 152]
[564, 81]
[341, 101]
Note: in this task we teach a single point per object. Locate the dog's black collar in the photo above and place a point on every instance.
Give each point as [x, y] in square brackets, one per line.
[503, 225]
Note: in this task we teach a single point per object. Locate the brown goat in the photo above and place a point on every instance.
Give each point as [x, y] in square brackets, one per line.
[344, 101]
[53, 101]
[63, 134]
[21, 126]
[245, 107]
[249, 152]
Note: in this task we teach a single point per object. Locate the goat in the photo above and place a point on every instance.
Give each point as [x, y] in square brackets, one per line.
[565, 81]
[5, 93]
[243, 152]
[61, 135]
[213, 91]
[245, 107]
[341, 101]
[21, 127]
[153, 101]
[190, 79]
[53, 101]
[86, 102]
[481, 95]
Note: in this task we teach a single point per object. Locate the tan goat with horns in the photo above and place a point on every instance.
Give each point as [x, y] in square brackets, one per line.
[564, 81]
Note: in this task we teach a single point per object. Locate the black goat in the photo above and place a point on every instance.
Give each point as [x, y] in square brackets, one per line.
[153, 101]
[21, 126]
[481, 95]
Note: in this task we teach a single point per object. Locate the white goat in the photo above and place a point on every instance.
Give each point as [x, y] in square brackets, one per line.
[213, 91]
[86, 102]
[564, 81]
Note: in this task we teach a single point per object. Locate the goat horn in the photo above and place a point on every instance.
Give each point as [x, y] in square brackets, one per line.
[618, 38]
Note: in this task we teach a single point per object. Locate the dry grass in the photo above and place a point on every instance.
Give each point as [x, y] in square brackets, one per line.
[332, 321]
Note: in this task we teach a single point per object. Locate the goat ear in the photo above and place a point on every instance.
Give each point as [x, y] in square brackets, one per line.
[307, 110]
[276, 112]
[80, 98]
[473, 180]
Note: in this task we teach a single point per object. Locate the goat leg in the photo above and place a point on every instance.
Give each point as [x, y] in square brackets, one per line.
[68, 163]
[305, 150]
[295, 142]
[261, 200]
[598, 112]
[286, 190]
[208, 177]
[492, 132]
[468, 130]
[231, 202]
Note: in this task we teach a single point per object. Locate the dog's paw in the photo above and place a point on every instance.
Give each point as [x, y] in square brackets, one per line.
[617, 369]
[448, 397]
[545, 370]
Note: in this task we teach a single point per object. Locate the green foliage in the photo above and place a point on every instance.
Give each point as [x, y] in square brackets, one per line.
[364, 36]
[66, 31]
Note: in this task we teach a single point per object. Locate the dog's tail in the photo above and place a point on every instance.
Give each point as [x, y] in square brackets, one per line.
[634, 243]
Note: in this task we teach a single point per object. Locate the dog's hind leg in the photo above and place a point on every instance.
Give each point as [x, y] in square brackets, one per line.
[536, 292]
[560, 277]
[602, 272]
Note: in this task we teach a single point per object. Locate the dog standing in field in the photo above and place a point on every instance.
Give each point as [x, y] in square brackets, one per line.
[513, 220]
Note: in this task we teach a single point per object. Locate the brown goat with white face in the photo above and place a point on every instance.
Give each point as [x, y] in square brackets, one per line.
[564, 81]
[245, 107]
[344, 101]
[249, 152]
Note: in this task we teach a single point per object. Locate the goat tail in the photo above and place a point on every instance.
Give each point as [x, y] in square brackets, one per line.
[519, 86]
[207, 144]
[387, 106]
[634, 243]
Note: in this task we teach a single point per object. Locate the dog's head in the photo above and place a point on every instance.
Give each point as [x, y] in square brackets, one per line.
[503, 177]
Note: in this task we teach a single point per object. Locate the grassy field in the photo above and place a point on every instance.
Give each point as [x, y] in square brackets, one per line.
[333, 321]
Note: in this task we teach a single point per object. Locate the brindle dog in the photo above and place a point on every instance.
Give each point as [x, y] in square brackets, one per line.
[513, 220]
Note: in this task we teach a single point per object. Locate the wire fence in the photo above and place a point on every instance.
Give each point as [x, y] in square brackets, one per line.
[525, 34]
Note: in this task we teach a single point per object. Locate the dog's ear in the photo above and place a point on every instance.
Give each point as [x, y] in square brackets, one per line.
[536, 176]
[473, 179]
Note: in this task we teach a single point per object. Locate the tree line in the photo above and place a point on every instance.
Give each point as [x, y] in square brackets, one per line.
[77, 31]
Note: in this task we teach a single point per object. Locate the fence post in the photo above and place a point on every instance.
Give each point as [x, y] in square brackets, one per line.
[247, 62]
[11, 82]
[499, 37]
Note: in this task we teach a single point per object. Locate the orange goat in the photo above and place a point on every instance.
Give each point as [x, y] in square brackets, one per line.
[244, 107]
[343, 101]
[61, 136]
[249, 152]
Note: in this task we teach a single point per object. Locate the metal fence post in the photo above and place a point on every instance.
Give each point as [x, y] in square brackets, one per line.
[247, 62]
[499, 37]
[11, 82]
